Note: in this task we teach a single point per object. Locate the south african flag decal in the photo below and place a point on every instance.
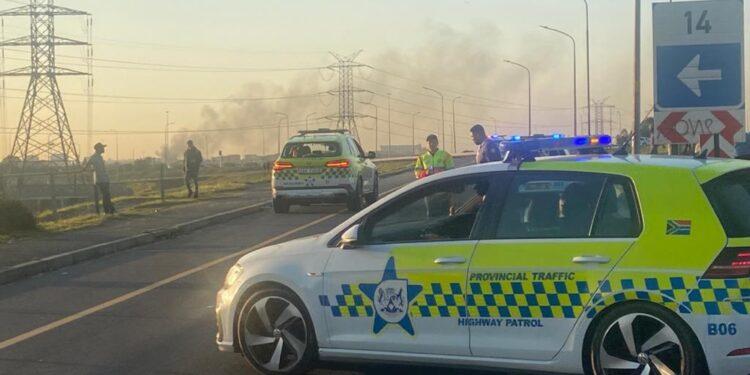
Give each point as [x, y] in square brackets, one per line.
[678, 227]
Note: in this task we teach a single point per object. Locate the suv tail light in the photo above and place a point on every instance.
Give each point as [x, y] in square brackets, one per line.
[338, 164]
[732, 263]
[281, 165]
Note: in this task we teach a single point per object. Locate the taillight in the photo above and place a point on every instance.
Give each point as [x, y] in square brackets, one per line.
[338, 164]
[281, 165]
[732, 263]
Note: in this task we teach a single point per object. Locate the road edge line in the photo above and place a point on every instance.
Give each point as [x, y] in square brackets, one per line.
[58, 261]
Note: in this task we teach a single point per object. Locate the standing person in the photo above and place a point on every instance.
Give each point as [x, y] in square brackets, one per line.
[101, 178]
[432, 161]
[488, 149]
[193, 160]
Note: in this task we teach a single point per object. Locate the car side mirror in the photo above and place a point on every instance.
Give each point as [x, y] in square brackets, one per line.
[371, 155]
[350, 238]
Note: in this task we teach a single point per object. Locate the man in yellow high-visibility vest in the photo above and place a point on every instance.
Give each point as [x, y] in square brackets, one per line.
[434, 160]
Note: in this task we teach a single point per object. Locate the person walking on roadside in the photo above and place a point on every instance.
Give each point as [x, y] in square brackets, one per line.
[101, 178]
[193, 159]
[488, 150]
[434, 160]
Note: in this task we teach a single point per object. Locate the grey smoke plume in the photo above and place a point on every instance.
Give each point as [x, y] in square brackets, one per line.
[466, 61]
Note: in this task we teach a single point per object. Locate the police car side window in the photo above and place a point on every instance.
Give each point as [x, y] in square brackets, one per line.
[443, 211]
[618, 212]
[550, 205]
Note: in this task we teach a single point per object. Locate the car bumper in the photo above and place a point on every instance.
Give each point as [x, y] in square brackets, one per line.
[224, 321]
[313, 195]
[720, 335]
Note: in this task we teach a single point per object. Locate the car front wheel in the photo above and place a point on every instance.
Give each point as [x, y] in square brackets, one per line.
[640, 338]
[275, 333]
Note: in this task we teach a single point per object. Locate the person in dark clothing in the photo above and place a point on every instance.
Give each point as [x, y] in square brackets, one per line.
[488, 148]
[193, 160]
[101, 178]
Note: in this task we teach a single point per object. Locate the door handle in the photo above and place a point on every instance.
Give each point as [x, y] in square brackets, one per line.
[598, 259]
[450, 260]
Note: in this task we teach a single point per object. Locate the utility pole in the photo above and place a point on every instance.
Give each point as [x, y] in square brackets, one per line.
[529, 74]
[413, 142]
[637, 85]
[43, 110]
[166, 138]
[454, 122]
[376, 123]
[442, 108]
[389, 125]
[588, 68]
[575, 83]
[287, 128]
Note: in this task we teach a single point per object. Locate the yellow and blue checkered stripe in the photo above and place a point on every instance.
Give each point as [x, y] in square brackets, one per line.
[557, 299]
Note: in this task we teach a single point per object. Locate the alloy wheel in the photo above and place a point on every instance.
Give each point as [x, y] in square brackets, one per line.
[641, 344]
[275, 334]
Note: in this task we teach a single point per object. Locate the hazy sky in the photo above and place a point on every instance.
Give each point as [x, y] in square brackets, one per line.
[457, 47]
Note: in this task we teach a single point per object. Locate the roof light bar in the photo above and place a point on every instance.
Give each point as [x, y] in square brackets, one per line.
[527, 149]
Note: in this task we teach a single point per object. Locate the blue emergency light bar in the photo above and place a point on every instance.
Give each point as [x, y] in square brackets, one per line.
[527, 149]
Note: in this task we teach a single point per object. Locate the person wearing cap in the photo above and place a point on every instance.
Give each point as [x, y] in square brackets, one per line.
[432, 161]
[101, 178]
[193, 159]
[488, 150]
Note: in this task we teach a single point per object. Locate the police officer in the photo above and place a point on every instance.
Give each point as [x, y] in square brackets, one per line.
[432, 161]
[488, 148]
[193, 160]
[101, 178]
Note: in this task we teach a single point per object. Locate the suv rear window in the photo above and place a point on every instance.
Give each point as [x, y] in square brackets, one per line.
[311, 150]
[730, 197]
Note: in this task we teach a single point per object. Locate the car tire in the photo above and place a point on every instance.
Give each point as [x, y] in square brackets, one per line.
[373, 197]
[356, 199]
[280, 206]
[638, 335]
[275, 333]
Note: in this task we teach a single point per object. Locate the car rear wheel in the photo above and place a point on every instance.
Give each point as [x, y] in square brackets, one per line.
[280, 206]
[373, 197]
[643, 339]
[357, 199]
[275, 333]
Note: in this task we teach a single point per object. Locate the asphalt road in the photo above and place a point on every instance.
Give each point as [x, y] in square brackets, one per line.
[96, 318]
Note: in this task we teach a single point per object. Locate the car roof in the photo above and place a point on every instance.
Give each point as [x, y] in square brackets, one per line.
[318, 137]
[703, 169]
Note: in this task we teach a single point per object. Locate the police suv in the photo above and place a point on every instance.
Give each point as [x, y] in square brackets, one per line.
[596, 264]
[324, 166]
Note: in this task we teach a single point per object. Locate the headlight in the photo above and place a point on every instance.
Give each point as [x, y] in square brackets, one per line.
[232, 276]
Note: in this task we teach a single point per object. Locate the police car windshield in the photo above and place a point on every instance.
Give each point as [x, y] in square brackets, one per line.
[311, 150]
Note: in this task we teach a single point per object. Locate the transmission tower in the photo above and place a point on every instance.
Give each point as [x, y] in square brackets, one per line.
[43, 114]
[599, 121]
[346, 118]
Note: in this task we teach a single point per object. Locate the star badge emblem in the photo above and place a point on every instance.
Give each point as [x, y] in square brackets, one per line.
[391, 299]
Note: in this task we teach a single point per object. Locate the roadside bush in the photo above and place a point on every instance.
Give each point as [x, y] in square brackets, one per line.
[15, 217]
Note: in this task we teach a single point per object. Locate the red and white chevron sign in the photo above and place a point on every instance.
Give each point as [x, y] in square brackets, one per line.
[700, 127]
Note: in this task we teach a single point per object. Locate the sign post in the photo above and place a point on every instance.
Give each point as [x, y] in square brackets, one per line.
[699, 92]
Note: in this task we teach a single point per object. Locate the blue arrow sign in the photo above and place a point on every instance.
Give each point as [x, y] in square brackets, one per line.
[699, 76]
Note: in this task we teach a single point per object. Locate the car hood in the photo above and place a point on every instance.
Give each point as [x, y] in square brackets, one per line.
[296, 247]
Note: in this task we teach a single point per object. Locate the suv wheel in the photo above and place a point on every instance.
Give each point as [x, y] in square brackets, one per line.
[275, 333]
[357, 199]
[372, 197]
[280, 206]
[641, 338]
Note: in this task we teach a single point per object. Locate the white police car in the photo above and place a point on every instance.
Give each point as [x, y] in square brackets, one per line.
[572, 264]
